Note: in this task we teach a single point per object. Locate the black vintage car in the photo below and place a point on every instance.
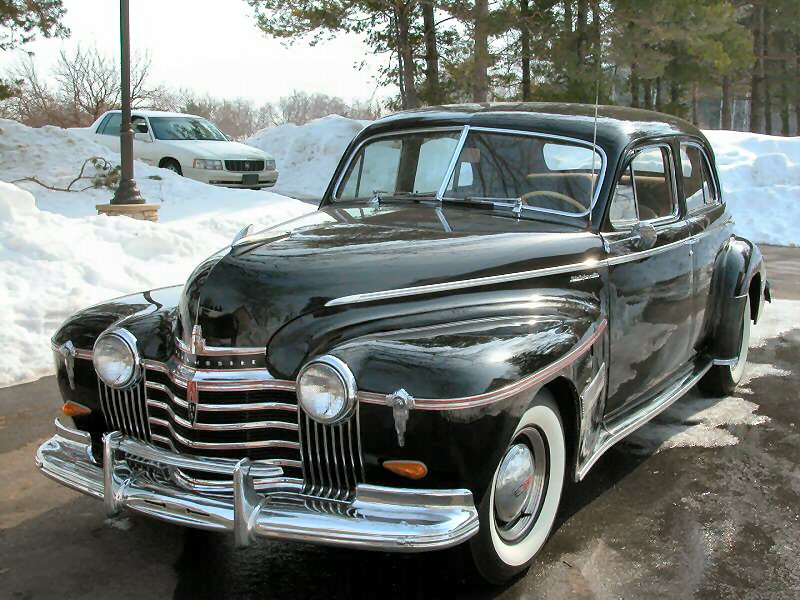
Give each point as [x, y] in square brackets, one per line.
[488, 298]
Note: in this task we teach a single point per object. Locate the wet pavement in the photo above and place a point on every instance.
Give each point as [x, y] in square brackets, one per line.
[650, 520]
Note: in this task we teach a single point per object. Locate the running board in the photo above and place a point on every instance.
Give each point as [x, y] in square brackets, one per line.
[630, 423]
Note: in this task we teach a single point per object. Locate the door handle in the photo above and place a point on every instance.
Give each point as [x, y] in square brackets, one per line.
[645, 236]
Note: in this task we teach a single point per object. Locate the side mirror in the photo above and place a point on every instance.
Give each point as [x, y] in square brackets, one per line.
[142, 136]
[646, 236]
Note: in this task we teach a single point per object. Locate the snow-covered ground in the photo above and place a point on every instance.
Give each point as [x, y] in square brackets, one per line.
[307, 155]
[761, 183]
[57, 255]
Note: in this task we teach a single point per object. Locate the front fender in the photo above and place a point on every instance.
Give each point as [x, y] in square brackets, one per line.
[464, 377]
[738, 262]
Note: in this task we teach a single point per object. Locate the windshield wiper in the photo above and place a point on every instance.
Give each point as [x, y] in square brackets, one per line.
[379, 196]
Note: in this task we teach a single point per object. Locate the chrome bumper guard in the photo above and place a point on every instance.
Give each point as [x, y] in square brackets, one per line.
[379, 518]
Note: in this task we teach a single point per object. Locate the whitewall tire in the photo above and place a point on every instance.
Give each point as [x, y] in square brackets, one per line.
[519, 509]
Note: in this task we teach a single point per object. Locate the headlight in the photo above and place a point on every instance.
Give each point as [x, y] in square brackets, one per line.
[269, 164]
[116, 359]
[206, 163]
[326, 389]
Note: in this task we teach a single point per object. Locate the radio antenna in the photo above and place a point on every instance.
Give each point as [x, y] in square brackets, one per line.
[594, 132]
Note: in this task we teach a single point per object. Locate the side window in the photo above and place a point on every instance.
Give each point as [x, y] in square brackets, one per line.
[138, 124]
[111, 126]
[698, 184]
[623, 205]
[652, 183]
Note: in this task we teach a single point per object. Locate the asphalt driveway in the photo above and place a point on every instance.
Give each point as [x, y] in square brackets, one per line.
[702, 503]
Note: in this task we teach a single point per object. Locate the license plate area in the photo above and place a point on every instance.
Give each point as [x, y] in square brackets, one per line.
[250, 179]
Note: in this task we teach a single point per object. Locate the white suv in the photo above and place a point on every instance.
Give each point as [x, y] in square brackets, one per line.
[190, 146]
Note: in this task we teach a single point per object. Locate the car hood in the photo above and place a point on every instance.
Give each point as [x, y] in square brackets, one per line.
[243, 295]
[217, 149]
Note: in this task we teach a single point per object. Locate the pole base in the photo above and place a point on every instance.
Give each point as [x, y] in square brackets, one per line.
[142, 212]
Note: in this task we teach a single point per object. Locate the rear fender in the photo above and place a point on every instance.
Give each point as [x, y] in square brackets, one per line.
[738, 265]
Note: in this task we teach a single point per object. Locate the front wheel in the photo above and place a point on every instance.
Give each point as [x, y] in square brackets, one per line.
[172, 165]
[721, 380]
[519, 509]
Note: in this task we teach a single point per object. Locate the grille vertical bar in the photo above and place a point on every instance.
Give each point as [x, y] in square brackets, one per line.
[125, 410]
[332, 460]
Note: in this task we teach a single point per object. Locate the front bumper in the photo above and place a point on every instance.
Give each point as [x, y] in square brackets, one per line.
[379, 518]
[231, 178]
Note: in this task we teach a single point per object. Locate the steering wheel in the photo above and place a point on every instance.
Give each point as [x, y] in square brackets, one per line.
[563, 197]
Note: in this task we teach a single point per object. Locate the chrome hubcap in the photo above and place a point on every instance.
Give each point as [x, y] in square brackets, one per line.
[519, 485]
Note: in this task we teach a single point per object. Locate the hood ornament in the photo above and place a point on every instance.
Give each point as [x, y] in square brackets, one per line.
[197, 344]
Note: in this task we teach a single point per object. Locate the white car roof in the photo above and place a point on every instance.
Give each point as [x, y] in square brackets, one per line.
[157, 113]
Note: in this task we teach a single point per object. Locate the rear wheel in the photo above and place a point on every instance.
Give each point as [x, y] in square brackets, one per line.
[172, 165]
[721, 380]
[519, 509]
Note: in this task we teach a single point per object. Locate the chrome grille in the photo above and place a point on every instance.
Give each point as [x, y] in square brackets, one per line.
[331, 455]
[258, 424]
[241, 166]
[125, 410]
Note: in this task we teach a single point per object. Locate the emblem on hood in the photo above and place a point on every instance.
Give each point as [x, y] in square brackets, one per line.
[192, 398]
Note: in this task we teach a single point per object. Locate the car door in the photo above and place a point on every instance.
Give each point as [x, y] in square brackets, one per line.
[144, 147]
[650, 279]
[710, 226]
[108, 131]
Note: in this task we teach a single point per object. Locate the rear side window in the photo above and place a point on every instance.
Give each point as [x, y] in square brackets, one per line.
[698, 184]
[652, 182]
[111, 125]
[645, 191]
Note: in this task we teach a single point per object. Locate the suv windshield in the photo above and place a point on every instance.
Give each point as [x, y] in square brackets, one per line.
[185, 128]
[506, 168]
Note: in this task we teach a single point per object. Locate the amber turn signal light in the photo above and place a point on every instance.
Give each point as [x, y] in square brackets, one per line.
[73, 409]
[412, 469]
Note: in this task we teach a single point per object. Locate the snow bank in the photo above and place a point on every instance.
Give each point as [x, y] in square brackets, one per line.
[58, 256]
[307, 155]
[761, 183]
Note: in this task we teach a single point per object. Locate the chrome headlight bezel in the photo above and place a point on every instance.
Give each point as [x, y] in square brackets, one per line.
[344, 378]
[129, 342]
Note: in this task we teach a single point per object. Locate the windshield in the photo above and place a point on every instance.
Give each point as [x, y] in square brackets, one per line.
[185, 128]
[540, 172]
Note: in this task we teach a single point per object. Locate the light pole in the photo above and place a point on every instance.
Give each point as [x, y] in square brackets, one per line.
[127, 192]
[127, 200]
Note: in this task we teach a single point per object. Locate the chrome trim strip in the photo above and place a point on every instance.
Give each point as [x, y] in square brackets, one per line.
[221, 426]
[221, 380]
[224, 445]
[636, 420]
[79, 352]
[220, 350]
[463, 283]
[237, 407]
[501, 393]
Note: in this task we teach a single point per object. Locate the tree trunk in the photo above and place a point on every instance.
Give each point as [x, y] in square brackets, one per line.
[695, 104]
[757, 76]
[580, 28]
[659, 97]
[634, 80]
[785, 100]
[767, 90]
[434, 92]
[525, 48]
[648, 94]
[411, 99]
[725, 116]
[480, 67]
[568, 16]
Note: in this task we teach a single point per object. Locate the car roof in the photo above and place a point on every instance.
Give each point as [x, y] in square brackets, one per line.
[157, 113]
[617, 126]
